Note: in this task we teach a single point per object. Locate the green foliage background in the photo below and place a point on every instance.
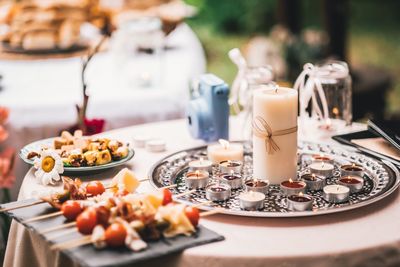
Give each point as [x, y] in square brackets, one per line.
[374, 35]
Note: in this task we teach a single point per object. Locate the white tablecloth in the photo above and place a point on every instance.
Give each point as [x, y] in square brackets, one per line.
[367, 236]
[42, 94]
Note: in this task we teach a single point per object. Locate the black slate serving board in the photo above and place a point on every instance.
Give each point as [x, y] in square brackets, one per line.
[91, 257]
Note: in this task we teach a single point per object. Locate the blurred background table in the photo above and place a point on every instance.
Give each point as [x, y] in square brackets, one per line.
[41, 94]
[364, 237]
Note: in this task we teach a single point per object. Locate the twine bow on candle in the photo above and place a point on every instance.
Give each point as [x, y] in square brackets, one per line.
[262, 130]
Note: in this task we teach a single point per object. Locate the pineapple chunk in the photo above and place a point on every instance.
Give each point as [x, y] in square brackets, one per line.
[103, 157]
[95, 146]
[67, 136]
[120, 153]
[81, 143]
[113, 145]
[59, 142]
[90, 157]
[125, 180]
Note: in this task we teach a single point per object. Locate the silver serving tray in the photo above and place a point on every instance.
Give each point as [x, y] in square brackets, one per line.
[381, 179]
[36, 146]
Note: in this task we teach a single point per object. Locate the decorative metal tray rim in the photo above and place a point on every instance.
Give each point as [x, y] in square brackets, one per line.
[392, 171]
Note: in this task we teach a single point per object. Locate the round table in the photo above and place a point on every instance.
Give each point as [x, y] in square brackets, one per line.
[41, 94]
[367, 236]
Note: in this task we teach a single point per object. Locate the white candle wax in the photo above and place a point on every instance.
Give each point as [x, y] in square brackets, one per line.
[251, 200]
[156, 145]
[277, 108]
[322, 168]
[201, 164]
[225, 151]
[252, 196]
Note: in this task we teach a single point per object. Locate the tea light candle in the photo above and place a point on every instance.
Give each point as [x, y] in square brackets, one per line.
[196, 179]
[322, 168]
[313, 181]
[224, 151]
[255, 185]
[251, 200]
[139, 141]
[227, 166]
[291, 187]
[218, 192]
[352, 169]
[201, 165]
[354, 183]
[156, 145]
[336, 193]
[299, 202]
[234, 180]
[322, 158]
[275, 134]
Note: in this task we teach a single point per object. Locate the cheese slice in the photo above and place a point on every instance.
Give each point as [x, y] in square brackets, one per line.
[179, 223]
[155, 199]
[125, 180]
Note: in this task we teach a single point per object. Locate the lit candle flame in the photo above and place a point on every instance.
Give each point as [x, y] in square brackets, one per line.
[353, 165]
[290, 180]
[335, 112]
[197, 173]
[300, 194]
[224, 143]
[313, 176]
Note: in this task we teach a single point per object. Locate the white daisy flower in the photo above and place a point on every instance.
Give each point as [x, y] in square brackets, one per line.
[49, 166]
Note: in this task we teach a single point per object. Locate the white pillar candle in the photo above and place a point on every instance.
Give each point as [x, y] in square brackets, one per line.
[275, 134]
[225, 151]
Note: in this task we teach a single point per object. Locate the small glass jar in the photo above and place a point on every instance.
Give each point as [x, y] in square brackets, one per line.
[336, 82]
[253, 78]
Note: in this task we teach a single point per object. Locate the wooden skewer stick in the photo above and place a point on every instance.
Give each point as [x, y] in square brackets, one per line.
[169, 186]
[62, 233]
[42, 201]
[58, 227]
[206, 203]
[210, 212]
[72, 243]
[42, 217]
[23, 205]
[87, 239]
[185, 193]
[77, 244]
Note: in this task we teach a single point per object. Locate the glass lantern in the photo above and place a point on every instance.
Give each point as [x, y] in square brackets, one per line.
[242, 99]
[336, 83]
